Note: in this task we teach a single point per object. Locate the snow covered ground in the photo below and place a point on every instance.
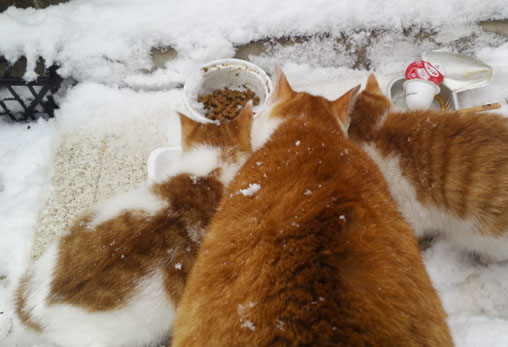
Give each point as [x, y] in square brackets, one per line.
[105, 45]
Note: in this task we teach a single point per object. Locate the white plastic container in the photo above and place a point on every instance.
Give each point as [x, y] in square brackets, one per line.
[396, 93]
[462, 72]
[420, 93]
[236, 74]
[160, 161]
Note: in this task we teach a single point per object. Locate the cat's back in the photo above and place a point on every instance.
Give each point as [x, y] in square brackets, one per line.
[471, 130]
[455, 161]
[307, 249]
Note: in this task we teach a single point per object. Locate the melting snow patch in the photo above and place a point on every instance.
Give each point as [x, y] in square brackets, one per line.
[248, 324]
[280, 324]
[251, 189]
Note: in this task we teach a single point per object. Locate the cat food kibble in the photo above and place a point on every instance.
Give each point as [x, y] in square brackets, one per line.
[226, 103]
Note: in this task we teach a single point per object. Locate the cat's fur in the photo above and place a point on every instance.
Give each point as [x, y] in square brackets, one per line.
[308, 249]
[448, 171]
[117, 275]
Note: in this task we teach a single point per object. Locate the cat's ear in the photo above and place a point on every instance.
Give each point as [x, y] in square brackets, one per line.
[244, 119]
[244, 122]
[372, 85]
[282, 89]
[343, 106]
[187, 127]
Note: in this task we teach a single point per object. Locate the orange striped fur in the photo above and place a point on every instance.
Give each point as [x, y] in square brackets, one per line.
[455, 164]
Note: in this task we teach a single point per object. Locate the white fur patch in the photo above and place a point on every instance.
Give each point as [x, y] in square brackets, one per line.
[38, 287]
[263, 127]
[201, 160]
[146, 317]
[381, 120]
[140, 198]
[229, 170]
[489, 248]
[425, 219]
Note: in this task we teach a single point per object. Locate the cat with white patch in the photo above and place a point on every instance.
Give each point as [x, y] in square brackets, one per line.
[115, 278]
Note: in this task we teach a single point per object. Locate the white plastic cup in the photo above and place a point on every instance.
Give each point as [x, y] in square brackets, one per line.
[236, 74]
[420, 93]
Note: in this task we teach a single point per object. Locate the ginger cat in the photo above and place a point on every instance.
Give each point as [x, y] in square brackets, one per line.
[447, 171]
[117, 275]
[308, 249]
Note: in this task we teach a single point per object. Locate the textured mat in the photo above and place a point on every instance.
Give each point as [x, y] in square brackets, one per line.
[89, 169]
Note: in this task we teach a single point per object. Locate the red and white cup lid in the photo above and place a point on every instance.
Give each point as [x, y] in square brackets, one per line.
[423, 70]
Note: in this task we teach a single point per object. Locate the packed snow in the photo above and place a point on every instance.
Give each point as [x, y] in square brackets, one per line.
[252, 189]
[105, 45]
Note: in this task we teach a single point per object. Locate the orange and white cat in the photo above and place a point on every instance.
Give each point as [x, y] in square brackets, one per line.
[115, 278]
[448, 171]
[307, 247]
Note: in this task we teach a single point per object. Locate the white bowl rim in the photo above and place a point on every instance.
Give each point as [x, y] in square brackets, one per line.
[398, 78]
[436, 88]
[256, 70]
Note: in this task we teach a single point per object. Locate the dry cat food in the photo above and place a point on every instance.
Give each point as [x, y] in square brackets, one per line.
[226, 103]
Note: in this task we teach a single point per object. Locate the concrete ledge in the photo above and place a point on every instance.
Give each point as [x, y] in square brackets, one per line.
[499, 27]
[162, 55]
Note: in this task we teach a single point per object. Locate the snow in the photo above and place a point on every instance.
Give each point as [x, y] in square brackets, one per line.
[250, 190]
[106, 46]
[248, 324]
[473, 295]
[243, 314]
[107, 40]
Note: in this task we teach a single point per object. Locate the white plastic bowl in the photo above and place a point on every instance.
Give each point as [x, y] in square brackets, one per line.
[236, 74]
[160, 161]
[420, 93]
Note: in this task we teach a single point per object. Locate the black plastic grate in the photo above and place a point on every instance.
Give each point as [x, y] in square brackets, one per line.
[22, 101]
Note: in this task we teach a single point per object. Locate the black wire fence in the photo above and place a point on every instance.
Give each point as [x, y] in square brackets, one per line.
[25, 101]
